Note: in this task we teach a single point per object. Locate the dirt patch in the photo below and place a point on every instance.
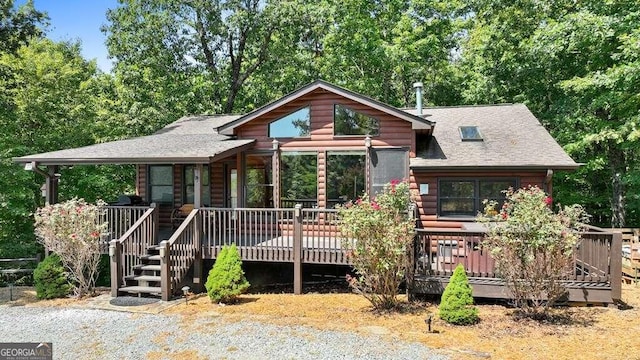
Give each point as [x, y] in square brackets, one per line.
[574, 332]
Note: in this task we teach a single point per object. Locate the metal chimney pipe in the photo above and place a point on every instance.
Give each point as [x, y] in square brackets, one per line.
[418, 87]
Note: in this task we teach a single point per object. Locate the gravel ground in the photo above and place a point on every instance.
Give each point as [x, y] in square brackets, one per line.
[101, 334]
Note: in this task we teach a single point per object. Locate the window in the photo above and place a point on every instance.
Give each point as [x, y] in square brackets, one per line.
[258, 181]
[161, 184]
[188, 195]
[296, 124]
[351, 122]
[299, 179]
[463, 197]
[345, 176]
[470, 133]
[387, 165]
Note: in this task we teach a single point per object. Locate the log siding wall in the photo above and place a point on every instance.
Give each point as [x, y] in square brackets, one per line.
[393, 132]
[428, 204]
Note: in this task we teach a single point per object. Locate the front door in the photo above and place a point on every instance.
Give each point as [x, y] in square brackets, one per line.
[231, 186]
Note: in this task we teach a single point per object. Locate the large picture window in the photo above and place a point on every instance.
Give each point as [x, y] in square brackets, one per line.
[188, 195]
[345, 176]
[296, 124]
[463, 197]
[299, 179]
[350, 122]
[161, 184]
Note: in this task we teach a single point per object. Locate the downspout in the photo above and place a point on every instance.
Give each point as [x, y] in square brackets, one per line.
[547, 182]
[50, 178]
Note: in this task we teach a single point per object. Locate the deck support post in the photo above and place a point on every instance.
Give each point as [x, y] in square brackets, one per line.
[616, 266]
[156, 222]
[165, 270]
[115, 260]
[197, 262]
[297, 250]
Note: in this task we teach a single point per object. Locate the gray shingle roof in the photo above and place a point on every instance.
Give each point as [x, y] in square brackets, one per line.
[192, 139]
[513, 138]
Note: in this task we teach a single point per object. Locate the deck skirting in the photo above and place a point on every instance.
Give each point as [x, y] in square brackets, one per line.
[493, 288]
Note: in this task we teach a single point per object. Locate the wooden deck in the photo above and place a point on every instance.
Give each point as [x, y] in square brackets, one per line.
[595, 278]
[311, 236]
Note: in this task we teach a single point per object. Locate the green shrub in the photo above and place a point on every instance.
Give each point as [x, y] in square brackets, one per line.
[51, 279]
[533, 246]
[379, 234]
[456, 305]
[226, 279]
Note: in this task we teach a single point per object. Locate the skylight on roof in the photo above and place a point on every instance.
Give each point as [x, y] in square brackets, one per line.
[470, 133]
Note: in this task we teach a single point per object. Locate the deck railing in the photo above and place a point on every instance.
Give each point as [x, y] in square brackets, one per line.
[119, 219]
[597, 257]
[125, 251]
[179, 253]
[259, 234]
[295, 235]
[322, 242]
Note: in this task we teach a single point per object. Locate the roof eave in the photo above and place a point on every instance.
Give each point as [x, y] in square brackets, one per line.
[568, 167]
[114, 161]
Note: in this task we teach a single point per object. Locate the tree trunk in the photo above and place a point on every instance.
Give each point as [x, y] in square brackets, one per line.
[618, 194]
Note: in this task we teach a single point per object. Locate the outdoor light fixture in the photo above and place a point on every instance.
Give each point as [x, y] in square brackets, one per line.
[367, 141]
[275, 144]
[428, 321]
[28, 166]
[185, 291]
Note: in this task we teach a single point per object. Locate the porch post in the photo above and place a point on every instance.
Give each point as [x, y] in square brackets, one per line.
[51, 185]
[297, 250]
[275, 170]
[165, 270]
[197, 186]
[115, 260]
[615, 257]
[240, 163]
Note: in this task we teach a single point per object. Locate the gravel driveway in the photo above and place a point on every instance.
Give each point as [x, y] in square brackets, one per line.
[102, 334]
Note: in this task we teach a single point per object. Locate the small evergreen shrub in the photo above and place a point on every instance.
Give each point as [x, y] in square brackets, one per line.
[226, 279]
[50, 278]
[456, 305]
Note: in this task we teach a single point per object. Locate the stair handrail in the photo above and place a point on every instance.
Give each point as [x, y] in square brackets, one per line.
[118, 263]
[170, 276]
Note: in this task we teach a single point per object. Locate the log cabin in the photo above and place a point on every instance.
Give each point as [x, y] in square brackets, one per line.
[269, 181]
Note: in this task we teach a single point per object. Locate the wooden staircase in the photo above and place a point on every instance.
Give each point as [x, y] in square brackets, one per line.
[146, 279]
[140, 267]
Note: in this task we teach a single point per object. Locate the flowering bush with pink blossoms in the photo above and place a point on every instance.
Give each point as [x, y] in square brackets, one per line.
[533, 246]
[379, 233]
[72, 231]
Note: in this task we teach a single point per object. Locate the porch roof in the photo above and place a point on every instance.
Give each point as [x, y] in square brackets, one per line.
[188, 140]
[512, 138]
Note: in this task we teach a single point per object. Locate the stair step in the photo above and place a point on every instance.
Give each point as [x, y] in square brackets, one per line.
[151, 257]
[147, 278]
[148, 267]
[141, 289]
